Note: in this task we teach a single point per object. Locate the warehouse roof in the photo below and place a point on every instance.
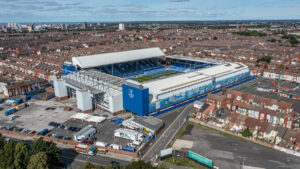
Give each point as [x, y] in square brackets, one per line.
[116, 57]
[150, 122]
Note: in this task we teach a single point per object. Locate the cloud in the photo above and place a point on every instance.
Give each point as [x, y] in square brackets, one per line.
[179, 0]
[133, 10]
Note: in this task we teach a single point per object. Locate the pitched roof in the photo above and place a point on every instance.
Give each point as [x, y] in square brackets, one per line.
[252, 123]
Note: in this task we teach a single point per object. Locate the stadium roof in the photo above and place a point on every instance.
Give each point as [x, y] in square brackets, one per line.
[116, 57]
[164, 86]
[196, 59]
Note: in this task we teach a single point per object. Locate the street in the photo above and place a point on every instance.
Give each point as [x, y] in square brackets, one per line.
[168, 133]
[71, 159]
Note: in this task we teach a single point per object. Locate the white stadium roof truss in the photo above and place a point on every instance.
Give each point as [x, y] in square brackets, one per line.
[102, 82]
[116, 57]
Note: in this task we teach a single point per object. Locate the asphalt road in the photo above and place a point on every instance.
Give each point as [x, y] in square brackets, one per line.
[71, 159]
[168, 133]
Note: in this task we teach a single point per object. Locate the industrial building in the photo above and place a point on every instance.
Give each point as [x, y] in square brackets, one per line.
[129, 134]
[84, 133]
[148, 124]
[142, 81]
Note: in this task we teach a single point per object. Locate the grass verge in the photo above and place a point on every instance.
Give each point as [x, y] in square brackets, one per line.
[184, 162]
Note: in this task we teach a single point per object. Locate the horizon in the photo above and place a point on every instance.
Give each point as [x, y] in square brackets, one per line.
[159, 21]
[28, 11]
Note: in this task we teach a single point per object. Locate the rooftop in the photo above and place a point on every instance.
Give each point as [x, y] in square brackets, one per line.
[176, 82]
[116, 57]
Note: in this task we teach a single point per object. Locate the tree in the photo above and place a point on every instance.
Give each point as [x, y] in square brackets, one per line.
[246, 133]
[2, 142]
[7, 156]
[265, 59]
[39, 161]
[21, 156]
[49, 148]
[215, 38]
[139, 165]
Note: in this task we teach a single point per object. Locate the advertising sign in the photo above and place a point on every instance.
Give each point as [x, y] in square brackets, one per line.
[200, 159]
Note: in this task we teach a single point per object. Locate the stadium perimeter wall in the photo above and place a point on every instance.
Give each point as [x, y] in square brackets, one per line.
[188, 92]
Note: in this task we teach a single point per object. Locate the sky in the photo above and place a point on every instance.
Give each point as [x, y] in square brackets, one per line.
[145, 10]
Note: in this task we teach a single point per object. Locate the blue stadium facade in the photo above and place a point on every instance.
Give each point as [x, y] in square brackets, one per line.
[196, 78]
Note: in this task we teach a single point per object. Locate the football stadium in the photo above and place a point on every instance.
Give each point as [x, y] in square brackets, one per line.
[143, 81]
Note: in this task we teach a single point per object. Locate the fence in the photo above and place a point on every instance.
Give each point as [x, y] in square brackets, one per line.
[287, 151]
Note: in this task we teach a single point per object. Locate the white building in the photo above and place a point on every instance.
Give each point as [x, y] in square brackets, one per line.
[129, 134]
[84, 133]
[121, 27]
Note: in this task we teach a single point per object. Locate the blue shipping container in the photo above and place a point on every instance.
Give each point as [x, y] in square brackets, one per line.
[129, 149]
[113, 120]
[148, 138]
[10, 111]
[19, 101]
[43, 132]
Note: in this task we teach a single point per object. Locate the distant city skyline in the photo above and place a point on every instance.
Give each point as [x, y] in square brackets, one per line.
[146, 10]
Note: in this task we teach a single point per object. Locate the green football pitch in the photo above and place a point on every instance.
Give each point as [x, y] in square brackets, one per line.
[155, 76]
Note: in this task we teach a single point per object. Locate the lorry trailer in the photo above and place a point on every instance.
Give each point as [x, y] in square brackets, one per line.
[85, 149]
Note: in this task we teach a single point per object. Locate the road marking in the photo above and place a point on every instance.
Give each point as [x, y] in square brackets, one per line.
[157, 141]
[175, 131]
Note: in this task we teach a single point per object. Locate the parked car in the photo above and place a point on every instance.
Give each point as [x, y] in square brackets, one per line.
[32, 132]
[88, 142]
[66, 138]
[55, 136]
[27, 131]
[10, 127]
[77, 129]
[15, 129]
[51, 123]
[62, 126]
[20, 129]
[70, 128]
